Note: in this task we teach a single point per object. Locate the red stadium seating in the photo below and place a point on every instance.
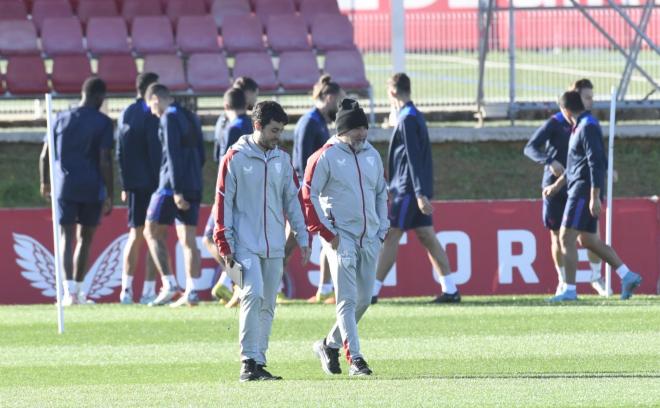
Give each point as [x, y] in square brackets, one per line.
[242, 34]
[69, 73]
[43, 9]
[96, 8]
[107, 35]
[179, 8]
[347, 69]
[13, 10]
[169, 69]
[287, 33]
[256, 65]
[298, 70]
[310, 8]
[332, 32]
[208, 73]
[135, 8]
[18, 37]
[221, 9]
[118, 72]
[62, 36]
[152, 35]
[266, 8]
[26, 75]
[197, 34]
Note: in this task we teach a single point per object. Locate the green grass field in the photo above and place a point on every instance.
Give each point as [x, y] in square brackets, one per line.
[488, 351]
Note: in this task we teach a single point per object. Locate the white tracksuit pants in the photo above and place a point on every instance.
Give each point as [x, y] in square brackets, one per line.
[353, 271]
[261, 281]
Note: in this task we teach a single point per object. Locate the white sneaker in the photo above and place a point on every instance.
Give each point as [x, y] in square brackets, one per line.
[82, 299]
[126, 297]
[188, 299]
[146, 299]
[561, 286]
[69, 300]
[165, 296]
[599, 286]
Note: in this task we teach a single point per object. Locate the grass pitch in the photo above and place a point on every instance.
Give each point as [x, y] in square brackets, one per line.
[488, 351]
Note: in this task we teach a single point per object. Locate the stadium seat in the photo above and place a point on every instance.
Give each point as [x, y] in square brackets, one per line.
[152, 35]
[43, 9]
[310, 8]
[267, 8]
[220, 9]
[18, 37]
[62, 36]
[208, 72]
[258, 66]
[107, 35]
[13, 10]
[197, 34]
[332, 32]
[298, 70]
[242, 33]
[69, 73]
[169, 69]
[287, 33]
[96, 8]
[118, 72]
[2, 84]
[347, 68]
[179, 8]
[26, 75]
[135, 8]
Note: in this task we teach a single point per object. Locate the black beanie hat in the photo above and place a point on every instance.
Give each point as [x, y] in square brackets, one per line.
[350, 116]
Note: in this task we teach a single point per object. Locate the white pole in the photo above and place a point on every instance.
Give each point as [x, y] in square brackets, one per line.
[398, 21]
[610, 182]
[54, 213]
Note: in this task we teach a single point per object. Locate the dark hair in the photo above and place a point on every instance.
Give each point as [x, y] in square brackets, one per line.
[581, 84]
[268, 111]
[235, 99]
[400, 82]
[246, 84]
[325, 86]
[160, 90]
[94, 91]
[571, 101]
[143, 81]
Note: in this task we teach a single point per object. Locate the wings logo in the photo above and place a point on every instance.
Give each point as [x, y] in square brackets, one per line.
[38, 266]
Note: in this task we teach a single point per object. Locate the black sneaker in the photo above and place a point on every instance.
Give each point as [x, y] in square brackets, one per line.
[264, 375]
[359, 367]
[374, 300]
[329, 357]
[448, 298]
[249, 371]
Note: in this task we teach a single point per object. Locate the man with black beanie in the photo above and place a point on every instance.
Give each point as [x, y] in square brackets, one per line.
[345, 199]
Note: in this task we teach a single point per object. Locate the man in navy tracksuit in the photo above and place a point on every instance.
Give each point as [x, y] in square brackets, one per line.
[138, 157]
[549, 146]
[585, 179]
[178, 195]
[83, 187]
[410, 178]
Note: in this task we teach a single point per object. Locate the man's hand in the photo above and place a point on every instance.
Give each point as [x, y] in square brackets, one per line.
[181, 203]
[594, 207]
[335, 242]
[305, 253]
[551, 190]
[556, 168]
[229, 260]
[424, 205]
[124, 196]
[107, 206]
[44, 189]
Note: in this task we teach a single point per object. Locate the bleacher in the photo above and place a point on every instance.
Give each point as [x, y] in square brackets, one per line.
[196, 46]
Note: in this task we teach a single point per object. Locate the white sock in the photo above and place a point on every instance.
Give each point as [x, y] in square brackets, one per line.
[571, 287]
[149, 288]
[377, 286]
[595, 270]
[622, 271]
[326, 288]
[561, 273]
[448, 285]
[70, 288]
[126, 282]
[77, 288]
[281, 287]
[169, 282]
[191, 284]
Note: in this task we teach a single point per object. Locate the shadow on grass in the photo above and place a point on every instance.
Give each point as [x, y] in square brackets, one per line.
[524, 301]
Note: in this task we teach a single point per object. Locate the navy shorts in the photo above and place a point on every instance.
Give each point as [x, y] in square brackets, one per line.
[74, 212]
[138, 203]
[210, 226]
[577, 215]
[553, 210]
[405, 214]
[162, 210]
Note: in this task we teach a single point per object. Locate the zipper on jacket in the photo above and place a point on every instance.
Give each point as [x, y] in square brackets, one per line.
[265, 208]
[364, 210]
